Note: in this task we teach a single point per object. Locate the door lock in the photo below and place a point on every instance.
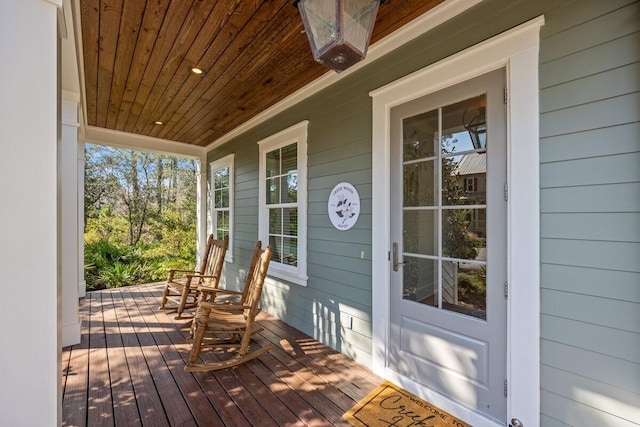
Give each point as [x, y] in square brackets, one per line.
[396, 264]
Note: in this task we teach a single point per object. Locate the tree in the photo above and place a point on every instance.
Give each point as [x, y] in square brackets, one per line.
[141, 201]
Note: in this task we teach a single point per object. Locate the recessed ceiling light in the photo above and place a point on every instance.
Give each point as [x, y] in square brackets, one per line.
[196, 70]
[159, 122]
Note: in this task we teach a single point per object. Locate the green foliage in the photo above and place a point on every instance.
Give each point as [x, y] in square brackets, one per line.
[140, 216]
[472, 288]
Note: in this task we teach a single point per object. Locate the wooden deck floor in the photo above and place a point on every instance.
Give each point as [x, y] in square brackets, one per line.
[128, 370]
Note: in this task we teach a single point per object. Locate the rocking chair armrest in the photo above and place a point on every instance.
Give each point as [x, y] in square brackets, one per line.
[223, 307]
[200, 276]
[173, 271]
[209, 289]
[179, 270]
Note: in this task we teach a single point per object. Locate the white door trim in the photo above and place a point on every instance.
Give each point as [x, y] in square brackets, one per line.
[517, 50]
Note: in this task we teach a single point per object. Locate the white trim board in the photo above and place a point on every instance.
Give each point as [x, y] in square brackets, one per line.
[114, 138]
[517, 50]
[431, 19]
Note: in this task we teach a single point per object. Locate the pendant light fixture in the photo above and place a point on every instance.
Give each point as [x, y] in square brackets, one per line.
[339, 31]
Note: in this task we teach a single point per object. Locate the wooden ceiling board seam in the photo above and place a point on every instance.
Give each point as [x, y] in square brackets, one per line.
[207, 60]
[248, 59]
[230, 77]
[221, 63]
[256, 79]
[247, 68]
[268, 96]
[133, 13]
[271, 70]
[178, 80]
[174, 64]
[144, 45]
[165, 41]
[239, 21]
[90, 21]
[110, 14]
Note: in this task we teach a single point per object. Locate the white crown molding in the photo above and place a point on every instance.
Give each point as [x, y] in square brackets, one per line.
[429, 20]
[114, 138]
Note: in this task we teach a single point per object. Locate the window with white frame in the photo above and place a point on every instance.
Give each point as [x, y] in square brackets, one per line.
[470, 184]
[283, 202]
[221, 184]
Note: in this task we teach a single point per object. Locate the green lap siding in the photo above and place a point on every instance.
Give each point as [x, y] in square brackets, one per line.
[589, 195]
[590, 214]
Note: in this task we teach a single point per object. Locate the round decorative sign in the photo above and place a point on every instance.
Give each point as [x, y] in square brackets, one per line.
[344, 206]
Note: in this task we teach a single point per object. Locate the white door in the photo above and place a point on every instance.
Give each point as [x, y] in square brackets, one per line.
[448, 233]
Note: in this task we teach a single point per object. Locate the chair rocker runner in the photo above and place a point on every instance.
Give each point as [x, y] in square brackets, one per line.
[230, 326]
[181, 289]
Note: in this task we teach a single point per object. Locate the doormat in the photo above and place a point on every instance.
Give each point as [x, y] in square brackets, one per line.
[389, 405]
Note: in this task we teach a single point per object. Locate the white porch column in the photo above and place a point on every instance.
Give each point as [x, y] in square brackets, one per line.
[30, 335]
[201, 203]
[69, 228]
[82, 284]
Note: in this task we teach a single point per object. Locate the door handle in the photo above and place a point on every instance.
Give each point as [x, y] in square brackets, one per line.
[396, 264]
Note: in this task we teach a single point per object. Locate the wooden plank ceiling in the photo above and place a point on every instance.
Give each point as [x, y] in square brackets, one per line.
[137, 56]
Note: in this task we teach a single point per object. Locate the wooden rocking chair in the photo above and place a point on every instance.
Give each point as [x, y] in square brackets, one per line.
[230, 326]
[216, 295]
[182, 286]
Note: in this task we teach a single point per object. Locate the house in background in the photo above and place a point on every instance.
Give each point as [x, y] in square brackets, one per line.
[557, 341]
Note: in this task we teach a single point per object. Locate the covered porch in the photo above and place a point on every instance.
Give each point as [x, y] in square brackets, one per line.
[128, 369]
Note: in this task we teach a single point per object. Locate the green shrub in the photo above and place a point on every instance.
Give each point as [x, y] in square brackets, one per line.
[112, 265]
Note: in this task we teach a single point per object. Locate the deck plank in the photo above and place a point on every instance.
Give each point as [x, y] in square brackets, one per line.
[100, 411]
[228, 411]
[174, 405]
[76, 374]
[125, 408]
[173, 351]
[147, 398]
[129, 370]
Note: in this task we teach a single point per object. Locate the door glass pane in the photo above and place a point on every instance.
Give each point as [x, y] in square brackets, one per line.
[463, 234]
[464, 179]
[420, 235]
[420, 280]
[420, 183]
[419, 136]
[464, 288]
[464, 126]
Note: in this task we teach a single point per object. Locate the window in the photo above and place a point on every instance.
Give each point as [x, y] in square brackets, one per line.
[221, 187]
[470, 184]
[283, 202]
